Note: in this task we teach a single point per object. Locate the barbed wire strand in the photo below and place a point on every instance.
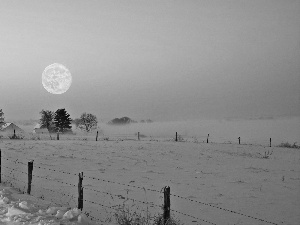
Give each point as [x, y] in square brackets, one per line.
[14, 169]
[52, 200]
[185, 214]
[116, 209]
[14, 160]
[105, 206]
[59, 193]
[135, 200]
[13, 178]
[20, 188]
[56, 193]
[206, 204]
[109, 207]
[54, 180]
[128, 185]
[59, 171]
[227, 210]
[16, 185]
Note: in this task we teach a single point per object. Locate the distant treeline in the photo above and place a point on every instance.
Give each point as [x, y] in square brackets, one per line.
[126, 120]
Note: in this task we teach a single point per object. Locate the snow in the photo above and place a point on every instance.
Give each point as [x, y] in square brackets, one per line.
[37, 126]
[230, 176]
[20, 212]
[6, 125]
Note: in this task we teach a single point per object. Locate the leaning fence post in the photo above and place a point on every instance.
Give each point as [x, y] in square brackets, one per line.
[166, 204]
[30, 168]
[207, 138]
[270, 142]
[97, 136]
[80, 192]
[0, 165]
[239, 140]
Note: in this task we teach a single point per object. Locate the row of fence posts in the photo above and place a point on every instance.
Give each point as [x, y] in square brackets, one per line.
[138, 134]
[270, 141]
[176, 138]
[239, 138]
[166, 207]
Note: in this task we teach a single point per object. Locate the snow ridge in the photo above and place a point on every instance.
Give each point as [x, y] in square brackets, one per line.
[22, 213]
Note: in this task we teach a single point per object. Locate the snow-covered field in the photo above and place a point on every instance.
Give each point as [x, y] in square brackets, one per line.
[218, 183]
[257, 131]
[16, 209]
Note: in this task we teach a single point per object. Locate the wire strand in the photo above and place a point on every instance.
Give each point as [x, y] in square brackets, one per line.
[227, 210]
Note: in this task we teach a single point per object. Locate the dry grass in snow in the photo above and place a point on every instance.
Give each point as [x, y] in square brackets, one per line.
[205, 179]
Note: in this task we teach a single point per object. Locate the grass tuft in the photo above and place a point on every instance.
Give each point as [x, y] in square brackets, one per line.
[125, 215]
[288, 145]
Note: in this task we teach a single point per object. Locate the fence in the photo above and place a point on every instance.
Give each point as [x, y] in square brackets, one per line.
[78, 190]
[177, 137]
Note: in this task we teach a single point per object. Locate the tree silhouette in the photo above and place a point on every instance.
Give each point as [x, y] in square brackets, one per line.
[121, 121]
[47, 120]
[62, 120]
[87, 122]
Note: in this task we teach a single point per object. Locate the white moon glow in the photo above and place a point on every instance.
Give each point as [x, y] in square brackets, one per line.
[56, 78]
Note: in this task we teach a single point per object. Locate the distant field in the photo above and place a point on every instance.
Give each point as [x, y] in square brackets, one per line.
[256, 132]
[258, 181]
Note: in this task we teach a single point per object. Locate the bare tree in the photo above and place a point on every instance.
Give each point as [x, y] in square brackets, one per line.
[47, 120]
[88, 122]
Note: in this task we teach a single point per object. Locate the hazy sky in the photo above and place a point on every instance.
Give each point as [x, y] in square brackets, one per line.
[164, 60]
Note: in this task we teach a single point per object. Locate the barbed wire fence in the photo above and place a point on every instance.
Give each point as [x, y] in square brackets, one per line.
[101, 199]
[141, 137]
[180, 137]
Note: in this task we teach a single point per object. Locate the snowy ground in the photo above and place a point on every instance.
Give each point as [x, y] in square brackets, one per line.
[218, 183]
[20, 209]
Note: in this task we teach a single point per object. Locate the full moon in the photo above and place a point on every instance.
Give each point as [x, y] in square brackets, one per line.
[56, 78]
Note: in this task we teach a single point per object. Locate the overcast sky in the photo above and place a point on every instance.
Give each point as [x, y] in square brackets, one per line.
[164, 60]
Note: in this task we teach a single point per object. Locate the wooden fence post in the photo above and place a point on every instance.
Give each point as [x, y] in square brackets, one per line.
[97, 136]
[239, 140]
[176, 137]
[0, 165]
[57, 135]
[138, 135]
[270, 142]
[30, 168]
[80, 192]
[207, 138]
[166, 204]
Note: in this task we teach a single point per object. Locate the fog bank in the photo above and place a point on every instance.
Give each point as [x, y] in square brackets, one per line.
[250, 131]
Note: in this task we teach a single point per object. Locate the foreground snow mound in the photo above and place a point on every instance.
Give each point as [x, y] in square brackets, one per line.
[23, 213]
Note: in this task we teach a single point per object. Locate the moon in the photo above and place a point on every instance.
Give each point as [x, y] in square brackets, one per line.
[56, 78]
